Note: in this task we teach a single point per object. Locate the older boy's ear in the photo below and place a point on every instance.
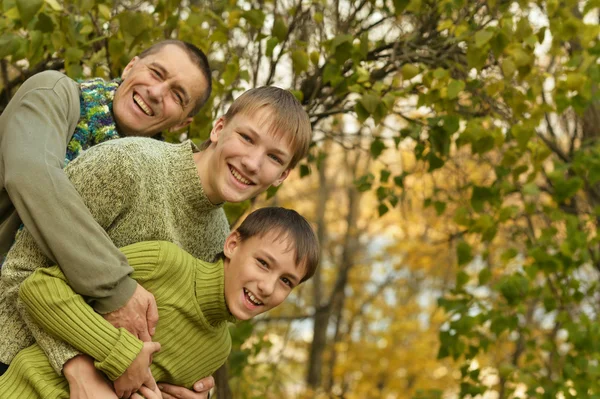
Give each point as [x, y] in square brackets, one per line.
[216, 130]
[281, 178]
[129, 66]
[231, 243]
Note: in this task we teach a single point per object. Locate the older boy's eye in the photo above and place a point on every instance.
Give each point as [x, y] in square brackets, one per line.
[276, 159]
[246, 137]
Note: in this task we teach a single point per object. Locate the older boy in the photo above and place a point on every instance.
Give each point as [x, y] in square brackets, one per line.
[271, 252]
[140, 189]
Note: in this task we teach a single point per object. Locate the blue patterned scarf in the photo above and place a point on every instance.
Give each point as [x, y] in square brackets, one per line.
[96, 122]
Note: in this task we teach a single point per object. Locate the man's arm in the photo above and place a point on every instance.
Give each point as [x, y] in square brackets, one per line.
[34, 132]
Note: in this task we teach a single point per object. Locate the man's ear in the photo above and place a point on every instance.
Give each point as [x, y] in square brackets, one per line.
[232, 243]
[129, 66]
[181, 125]
[216, 130]
[281, 178]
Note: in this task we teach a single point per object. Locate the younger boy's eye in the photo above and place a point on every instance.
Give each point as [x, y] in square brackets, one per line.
[287, 282]
[263, 263]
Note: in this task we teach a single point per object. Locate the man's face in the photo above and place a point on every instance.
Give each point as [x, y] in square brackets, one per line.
[158, 92]
[260, 273]
[246, 158]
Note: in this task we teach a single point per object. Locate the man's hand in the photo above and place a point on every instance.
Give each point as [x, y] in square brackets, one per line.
[139, 316]
[85, 382]
[201, 390]
[138, 373]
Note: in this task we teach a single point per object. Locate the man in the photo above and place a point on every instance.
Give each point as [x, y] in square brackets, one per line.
[139, 190]
[52, 118]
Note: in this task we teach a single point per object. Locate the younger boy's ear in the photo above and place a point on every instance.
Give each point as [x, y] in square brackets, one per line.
[231, 243]
[218, 126]
[282, 177]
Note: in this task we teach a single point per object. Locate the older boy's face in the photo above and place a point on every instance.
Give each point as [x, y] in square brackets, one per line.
[246, 159]
[158, 92]
[259, 274]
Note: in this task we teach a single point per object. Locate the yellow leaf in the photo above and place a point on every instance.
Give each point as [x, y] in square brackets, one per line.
[55, 5]
[13, 14]
[104, 11]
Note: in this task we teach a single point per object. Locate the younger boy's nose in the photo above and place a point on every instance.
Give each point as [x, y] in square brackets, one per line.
[266, 286]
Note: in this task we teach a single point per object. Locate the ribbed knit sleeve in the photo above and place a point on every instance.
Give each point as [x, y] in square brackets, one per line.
[59, 310]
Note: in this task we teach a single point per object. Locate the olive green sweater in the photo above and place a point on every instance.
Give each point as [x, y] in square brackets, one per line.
[35, 128]
[192, 327]
[137, 190]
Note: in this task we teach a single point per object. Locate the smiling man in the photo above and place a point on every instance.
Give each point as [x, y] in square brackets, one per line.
[49, 122]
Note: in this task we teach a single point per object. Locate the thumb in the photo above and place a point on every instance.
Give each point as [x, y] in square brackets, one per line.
[154, 346]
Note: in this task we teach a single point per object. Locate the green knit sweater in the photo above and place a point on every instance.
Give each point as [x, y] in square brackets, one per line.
[192, 327]
[138, 190]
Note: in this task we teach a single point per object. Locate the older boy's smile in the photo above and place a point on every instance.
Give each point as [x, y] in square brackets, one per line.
[240, 177]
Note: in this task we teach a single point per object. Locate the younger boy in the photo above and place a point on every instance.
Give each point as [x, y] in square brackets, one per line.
[272, 252]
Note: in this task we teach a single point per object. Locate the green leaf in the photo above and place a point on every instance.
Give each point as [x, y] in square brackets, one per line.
[256, 18]
[28, 9]
[440, 207]
[409, 71]
[44, 23]
[370, 102]
[484, 275]
[280, 29]
[377, 147]
[463, 253]
[304, 170]
[482, 37]
[384, 175]
[55, 5]
[383, 209]
[454, 88]
[299, 61]
[271, 43]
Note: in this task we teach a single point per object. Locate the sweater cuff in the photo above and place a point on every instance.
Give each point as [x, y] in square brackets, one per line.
[121, 294]
[121, 356]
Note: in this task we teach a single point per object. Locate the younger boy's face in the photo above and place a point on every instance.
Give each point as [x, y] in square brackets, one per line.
[260, 273]
[246, 159]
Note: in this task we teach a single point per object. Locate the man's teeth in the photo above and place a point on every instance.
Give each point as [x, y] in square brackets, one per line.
[252, 298]
[138, 100]
[239, 177]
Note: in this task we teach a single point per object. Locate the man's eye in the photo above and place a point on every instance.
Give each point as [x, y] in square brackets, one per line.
[155, 72]
[179, 98]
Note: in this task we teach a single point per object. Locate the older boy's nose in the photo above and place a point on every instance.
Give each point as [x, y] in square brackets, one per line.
[252, 161]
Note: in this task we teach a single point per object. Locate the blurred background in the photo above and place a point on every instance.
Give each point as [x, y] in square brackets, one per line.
[452, 181]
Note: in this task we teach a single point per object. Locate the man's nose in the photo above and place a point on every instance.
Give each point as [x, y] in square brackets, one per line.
[157, 91]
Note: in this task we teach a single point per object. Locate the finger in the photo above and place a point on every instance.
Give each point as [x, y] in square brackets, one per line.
[152, 315]
[137, 396]
[143, 333]
[150, 382]
[205, 384]
[178, 392]
[150, 393]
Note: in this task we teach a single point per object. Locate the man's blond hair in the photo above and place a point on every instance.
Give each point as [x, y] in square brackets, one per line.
[287, 119]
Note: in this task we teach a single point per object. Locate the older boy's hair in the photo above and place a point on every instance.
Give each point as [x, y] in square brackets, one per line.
[289, 225]
[287, 119]
[197, 57]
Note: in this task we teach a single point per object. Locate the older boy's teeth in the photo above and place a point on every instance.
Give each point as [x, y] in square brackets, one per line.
[239, 177]
[138, 100]
[252, 298]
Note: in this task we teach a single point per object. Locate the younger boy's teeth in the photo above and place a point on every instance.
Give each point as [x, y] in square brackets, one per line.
[252, 298]
[239, 177]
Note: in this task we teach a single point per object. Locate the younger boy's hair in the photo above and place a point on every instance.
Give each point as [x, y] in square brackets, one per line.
[290, 226]
[287, 119]
[197, 57]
